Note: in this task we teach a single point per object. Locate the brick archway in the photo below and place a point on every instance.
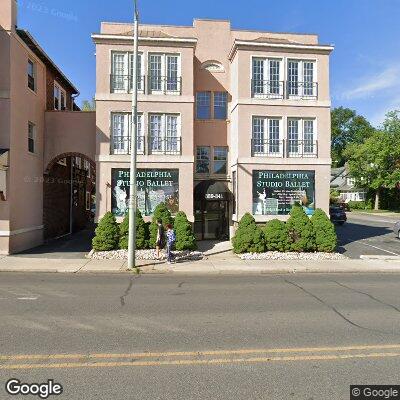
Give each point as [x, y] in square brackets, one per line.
[68, 194]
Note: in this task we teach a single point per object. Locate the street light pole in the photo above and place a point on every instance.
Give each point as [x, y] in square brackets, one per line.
[133, 178]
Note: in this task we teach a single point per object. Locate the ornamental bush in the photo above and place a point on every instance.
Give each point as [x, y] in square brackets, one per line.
[276, 236]
[301, 232]
[324, 232]
[185, 239]
[141, 238]
[249, 237]
[161, 212]
[107, 234]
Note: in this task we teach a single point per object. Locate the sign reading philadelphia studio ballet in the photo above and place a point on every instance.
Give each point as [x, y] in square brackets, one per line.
[275, 192]
[154, 186]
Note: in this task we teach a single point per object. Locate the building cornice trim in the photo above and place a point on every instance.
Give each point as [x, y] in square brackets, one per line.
[100, 36]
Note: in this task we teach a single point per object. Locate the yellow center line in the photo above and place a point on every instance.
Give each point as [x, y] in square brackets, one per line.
[197, 362]
[197, 353]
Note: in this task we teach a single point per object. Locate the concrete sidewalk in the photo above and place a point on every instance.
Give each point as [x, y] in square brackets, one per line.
[216, 265]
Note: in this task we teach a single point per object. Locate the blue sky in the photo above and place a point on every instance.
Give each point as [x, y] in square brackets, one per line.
[365, 66]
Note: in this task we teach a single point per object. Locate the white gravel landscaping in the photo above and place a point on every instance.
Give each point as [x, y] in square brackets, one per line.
[148, 254]
[276, 255]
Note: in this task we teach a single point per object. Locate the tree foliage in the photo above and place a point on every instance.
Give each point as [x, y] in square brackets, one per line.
[141, 234]
[89, 105]
[324, 232]
[276, 236]
[347, 128]
[301, 230]
[249, 237]
[107, 234]
[185, 239]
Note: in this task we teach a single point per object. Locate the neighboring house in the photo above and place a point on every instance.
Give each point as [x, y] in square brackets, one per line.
[342, 181]
[230, 121]
[47, 146]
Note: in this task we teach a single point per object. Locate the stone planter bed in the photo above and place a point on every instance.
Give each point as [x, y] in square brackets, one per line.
[276, 255]
[148, 254]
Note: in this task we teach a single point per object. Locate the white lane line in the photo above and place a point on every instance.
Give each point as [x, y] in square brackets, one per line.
[27, 298]
[378, 248]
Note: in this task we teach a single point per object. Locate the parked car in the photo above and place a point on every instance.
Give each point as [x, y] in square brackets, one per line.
[396, 229]
[337, 215]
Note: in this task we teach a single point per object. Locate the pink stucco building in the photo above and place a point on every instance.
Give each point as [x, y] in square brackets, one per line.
[231, 121]
[47, 146]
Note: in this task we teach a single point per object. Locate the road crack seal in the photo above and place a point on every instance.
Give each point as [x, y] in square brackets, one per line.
[128, 289]
[335, 310]
[368, 295]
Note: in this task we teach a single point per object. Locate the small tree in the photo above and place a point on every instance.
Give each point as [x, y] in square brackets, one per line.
[324, 231]
[141, 239]
[185, 239]
[249, 237]
[301, 230]
[107, 233]
[276, 236]
[161, 212]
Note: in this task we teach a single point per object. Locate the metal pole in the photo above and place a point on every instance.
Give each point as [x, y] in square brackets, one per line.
[132, 179]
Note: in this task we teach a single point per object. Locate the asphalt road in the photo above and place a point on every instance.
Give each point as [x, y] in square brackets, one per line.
[200, 337]
[366, 234]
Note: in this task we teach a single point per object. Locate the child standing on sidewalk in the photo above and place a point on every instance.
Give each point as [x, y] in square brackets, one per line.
[170, 242]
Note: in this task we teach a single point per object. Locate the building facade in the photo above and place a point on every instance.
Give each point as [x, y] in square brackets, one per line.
[47, 145]
[230, 121]
[345, 185]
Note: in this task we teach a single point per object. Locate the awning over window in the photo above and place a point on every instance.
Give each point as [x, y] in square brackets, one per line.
[212, 190]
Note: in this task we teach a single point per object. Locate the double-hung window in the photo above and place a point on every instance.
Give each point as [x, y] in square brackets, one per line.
[266, 78]
[121, 133]
[266, 135]
[211, 105]
[59, 98]
[301, 79]
[122, 72]
[203, 160]
[301, 138]
[31, 75]
[164, 134]
[220, 105]
[220, 160]
[203, 105]
[164, 73]
[31, 137]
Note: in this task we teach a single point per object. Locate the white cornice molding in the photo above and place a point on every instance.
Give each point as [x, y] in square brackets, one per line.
[293, 46]
[102, 36]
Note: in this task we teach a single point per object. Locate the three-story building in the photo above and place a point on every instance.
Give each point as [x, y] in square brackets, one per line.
[230, 121]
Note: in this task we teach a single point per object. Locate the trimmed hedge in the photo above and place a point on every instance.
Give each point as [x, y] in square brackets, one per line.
[360, 205]
[324, 232]
[249, 237]
[142, 237]
[185, 239]
[276, 236]
[301, 230]
[107, 233]
[161, 212]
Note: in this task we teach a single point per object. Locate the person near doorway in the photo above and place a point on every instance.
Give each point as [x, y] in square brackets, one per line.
[170, 243]
[160, 238]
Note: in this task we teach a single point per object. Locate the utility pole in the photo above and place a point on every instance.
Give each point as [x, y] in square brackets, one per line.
[132, 178]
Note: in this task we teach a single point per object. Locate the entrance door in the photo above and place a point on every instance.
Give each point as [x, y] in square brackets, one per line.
[211, 220]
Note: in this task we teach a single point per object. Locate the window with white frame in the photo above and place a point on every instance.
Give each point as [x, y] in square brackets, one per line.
[203, 159]
[31, 137]
[266, 77]
[164, 133]
[266, 136]
[122, 72]
[31, 75]
[351, 181]
[59, 97]
[301, 137]
[164, 73]
[121, 133]
[220, 105]
[220, 160]
[301, 76]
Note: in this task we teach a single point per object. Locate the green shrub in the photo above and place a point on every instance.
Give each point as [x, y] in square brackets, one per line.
[301, 231]
[360, 205]
[107, 234]
[161, 212]
[141, 238]
[185, 239]
[249, 237]
[324, 231]
[276, 236]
